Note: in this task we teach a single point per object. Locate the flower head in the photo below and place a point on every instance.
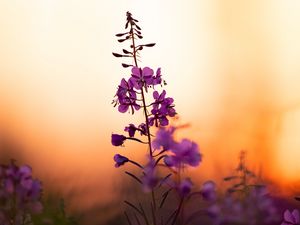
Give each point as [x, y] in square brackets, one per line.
[117, 139]
[18, 186]
[126, 97]
[208, 191]
[185, 187]
[141, 77]
[120, 160]
[149, 178]
[291, 217]
[164, 138]
[185, 152]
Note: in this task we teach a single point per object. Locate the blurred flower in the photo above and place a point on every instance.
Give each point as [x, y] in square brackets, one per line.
[185, 187]
[254, 209]
[291, 217]
[20, 194]
[185, 152]
[117, 139]
[208, 191]
[149, 179]
[164, 138]
[120, 160]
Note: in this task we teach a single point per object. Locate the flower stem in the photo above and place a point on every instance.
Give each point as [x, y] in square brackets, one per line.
[142, 92]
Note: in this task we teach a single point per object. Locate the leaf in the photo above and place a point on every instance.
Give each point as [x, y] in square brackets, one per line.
[126, 52]
[139, 36]
[138, 27]
[165, 195]
[117, 55]
[121, 34]
[125, 65]
[134, 177]
[230, 178]
[134, 207]
[121, 40]
[127, 217]
[149, 45]
[164, 179]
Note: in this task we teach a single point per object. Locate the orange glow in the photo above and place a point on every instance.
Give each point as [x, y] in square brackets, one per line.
[231, 66]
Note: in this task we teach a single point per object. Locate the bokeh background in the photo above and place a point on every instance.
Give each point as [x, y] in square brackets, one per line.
[232, 67]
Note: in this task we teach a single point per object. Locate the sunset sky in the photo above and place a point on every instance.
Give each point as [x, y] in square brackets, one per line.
[232, 67]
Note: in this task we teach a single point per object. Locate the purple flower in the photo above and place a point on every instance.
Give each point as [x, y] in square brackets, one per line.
[164, 138]
[18, 186]
[162, 107]
[208, 191]
[126, 97]
[149, 178]
[120, 160]
[141, 77]
[185, 187]
[131, 129]
[117, 139]
[143, 129]
[158, 118]
[291, 217]
[157, 79]
[185, 152]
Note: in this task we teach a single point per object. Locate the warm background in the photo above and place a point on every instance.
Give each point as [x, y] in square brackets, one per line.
[231, 65]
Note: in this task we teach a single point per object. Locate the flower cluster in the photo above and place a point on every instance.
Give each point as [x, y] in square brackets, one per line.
[141, 91]
[183, 153]
[20, 194]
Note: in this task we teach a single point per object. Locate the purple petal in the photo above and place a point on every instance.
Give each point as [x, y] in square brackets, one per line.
[158, 72]
[155, 95]
[147, 72]
[123, 108]
[296, 216]
[288, 216]
[136, 71]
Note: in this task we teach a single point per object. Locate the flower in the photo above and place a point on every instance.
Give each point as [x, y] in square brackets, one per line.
[185, 187]
[164, 138]
[149, 179]
[141, 77]
[126, 97]
[157, 79]
[185, 152]
[162, 107]
[117, 139]
[291, 217]
[208, 191]
[131, 129]
[120, 160]
[18, 187]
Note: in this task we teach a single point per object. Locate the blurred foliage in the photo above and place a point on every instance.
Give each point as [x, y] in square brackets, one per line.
[54, 213]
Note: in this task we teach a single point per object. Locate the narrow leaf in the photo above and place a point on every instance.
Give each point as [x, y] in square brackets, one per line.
[230, 178]
[127, 217]
[149, 45]
[134, 207]
[121, 34]
[137, 219]
[117, 55]
[121, 40]
[134, 177]
[125, 65]
[126, 52]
